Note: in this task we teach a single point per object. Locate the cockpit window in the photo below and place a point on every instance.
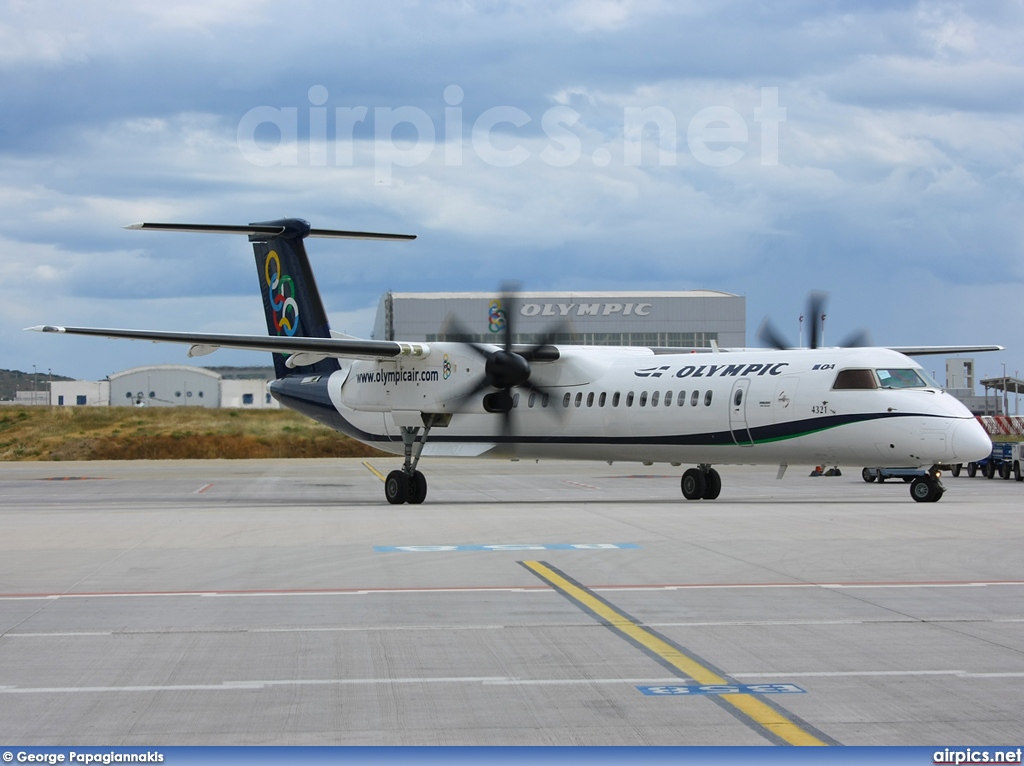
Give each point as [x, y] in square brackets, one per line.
[850, 379]
[904, 379]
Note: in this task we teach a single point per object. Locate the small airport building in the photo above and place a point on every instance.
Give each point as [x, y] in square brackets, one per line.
[172, 385]
[689, 318]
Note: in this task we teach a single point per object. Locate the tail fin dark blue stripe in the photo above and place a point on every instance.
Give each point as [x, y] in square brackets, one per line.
[291, 300]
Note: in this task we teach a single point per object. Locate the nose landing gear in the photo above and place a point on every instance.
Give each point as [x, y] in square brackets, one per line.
[927, 488]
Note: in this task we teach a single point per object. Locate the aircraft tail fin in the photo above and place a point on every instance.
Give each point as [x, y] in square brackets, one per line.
[291, 300]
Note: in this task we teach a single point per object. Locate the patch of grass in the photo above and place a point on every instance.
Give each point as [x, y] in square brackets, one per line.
[160, 433]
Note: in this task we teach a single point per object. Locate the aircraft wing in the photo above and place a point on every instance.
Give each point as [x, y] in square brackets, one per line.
[925, 350]
[306, 348]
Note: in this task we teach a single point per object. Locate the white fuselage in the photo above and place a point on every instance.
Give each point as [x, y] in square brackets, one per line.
[628, 404]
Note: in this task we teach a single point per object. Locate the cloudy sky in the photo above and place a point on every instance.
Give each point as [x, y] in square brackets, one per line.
[874, 150]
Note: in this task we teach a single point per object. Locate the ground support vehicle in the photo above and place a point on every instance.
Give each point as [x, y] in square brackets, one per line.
[881, 474]
[1004, 460]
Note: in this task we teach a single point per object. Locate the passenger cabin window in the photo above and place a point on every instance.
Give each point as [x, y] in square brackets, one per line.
[590, 399]
[615, 399]
[682, 399]
[565, 399]
[532, 399]
[707, 399]
[602, 399]
[643, 398]
[904, 379]
[694, 398]
[668, 398]
[579, 398]
[654, 398]
[629, 399]
[853, 379]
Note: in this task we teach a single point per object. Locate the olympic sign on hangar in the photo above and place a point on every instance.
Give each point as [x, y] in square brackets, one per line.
[585, 309]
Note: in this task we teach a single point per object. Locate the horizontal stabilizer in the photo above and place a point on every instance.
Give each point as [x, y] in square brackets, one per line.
[262, 229]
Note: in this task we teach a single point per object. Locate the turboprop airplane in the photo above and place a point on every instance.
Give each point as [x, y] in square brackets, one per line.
[863, 406]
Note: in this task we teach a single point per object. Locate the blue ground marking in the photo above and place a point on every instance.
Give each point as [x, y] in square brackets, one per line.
[690, 691]
[505, 547]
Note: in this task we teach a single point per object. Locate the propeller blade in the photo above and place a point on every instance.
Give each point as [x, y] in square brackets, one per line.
[509, 307]
[858, 339]
[557, 412]
[815, 311]
[770, 336]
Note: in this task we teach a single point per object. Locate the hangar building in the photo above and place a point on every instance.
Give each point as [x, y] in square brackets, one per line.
[689, 318]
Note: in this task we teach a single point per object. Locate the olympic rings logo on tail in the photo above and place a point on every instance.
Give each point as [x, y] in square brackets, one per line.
[281, 291]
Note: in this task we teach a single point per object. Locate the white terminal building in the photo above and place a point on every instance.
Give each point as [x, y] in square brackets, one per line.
[689, 318]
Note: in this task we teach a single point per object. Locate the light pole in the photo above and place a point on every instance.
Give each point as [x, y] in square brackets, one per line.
[1006, 407]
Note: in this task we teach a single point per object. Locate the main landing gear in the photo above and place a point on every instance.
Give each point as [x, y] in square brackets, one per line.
[407, 485]
[701, 483]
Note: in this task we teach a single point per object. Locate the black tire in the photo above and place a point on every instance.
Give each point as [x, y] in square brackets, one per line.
[990, 469]
[868, 475]
[396, 488]
[925, 489]
[972, 470]
[1004, 471]
[693, 484]
[713, 486]
[1016, 471]
[955, 469]
[417, 488]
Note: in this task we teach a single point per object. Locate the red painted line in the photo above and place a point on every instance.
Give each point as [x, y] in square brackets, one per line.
[202, 489]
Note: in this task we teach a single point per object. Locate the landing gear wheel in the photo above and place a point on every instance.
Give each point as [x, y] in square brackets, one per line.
[417, 488]
[396, 488]
[925, 489]
[955, 470]
[713, 486]
[694, 484]
[868, 475]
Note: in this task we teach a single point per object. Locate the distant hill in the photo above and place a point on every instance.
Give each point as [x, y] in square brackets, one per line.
[16, 380]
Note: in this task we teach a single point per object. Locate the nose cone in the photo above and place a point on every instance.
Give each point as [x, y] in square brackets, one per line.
[970, 442]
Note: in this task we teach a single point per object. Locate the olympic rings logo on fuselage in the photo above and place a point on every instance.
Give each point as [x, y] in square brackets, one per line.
[281, 292]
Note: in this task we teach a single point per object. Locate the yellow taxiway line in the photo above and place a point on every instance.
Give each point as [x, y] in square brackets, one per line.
[752, 708]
